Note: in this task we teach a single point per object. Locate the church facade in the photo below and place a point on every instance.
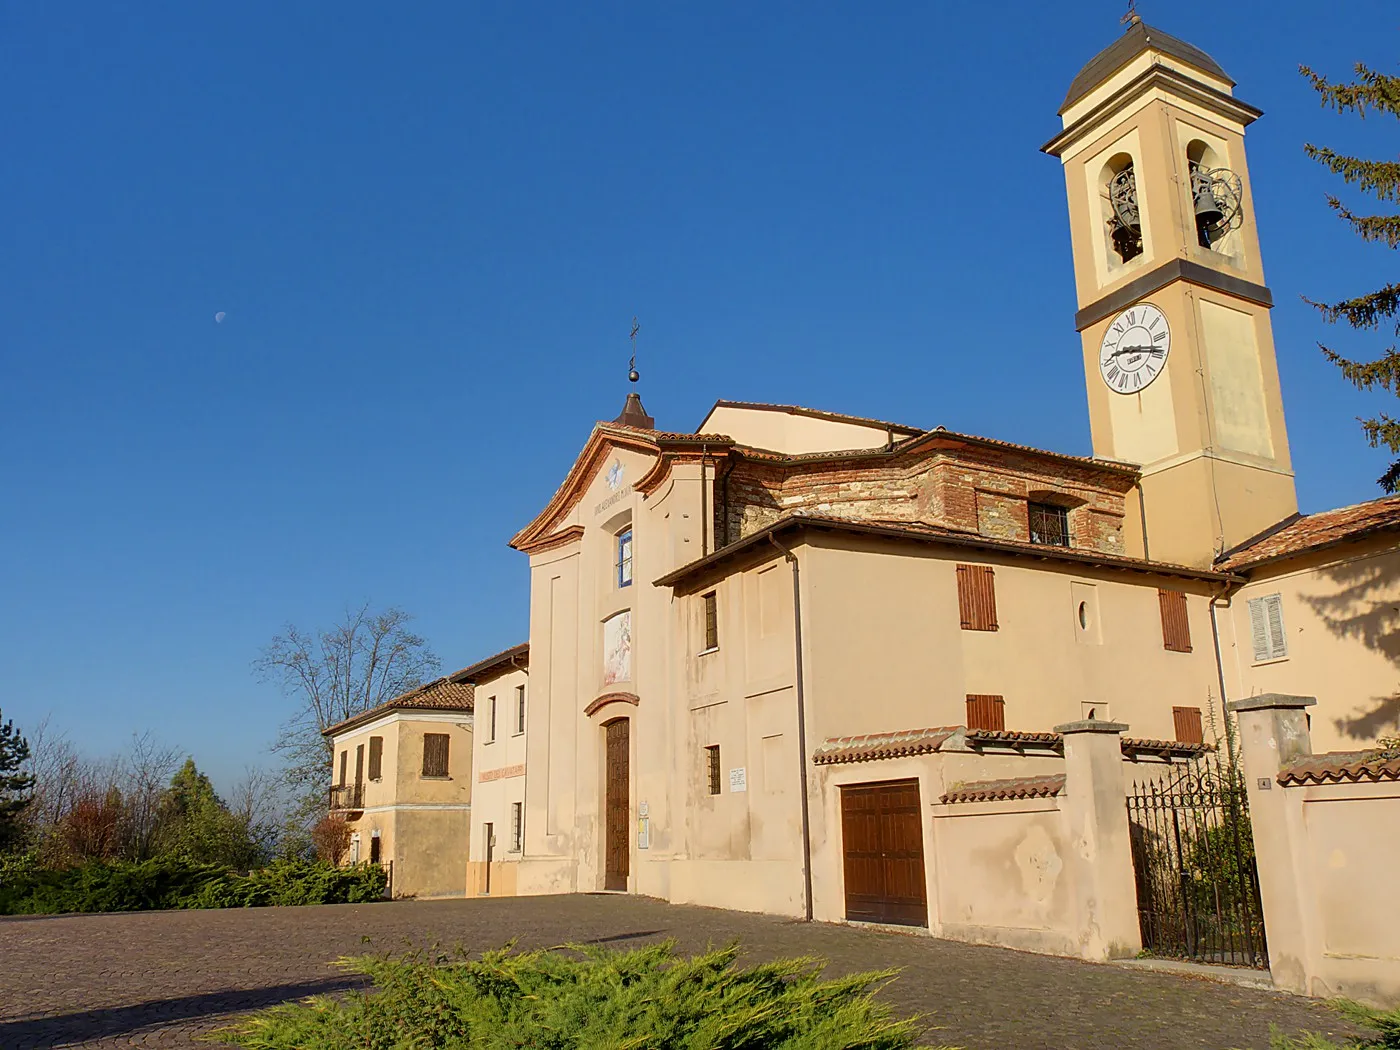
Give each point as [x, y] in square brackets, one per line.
[762, 653]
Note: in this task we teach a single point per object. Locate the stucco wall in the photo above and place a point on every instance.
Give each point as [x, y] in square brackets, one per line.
[1327, 856]
[885, 649]
[499, 768]
[1341, 612]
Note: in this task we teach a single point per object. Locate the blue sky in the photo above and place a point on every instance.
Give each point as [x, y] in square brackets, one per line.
[430, 230]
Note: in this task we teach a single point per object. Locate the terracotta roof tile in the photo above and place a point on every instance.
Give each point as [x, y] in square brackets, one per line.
[1307, 532]
[1136, 745]
[1012, 738]
[1337, 767]
[441, 694]
[1001, 790]
[515, 656]
[881, 745]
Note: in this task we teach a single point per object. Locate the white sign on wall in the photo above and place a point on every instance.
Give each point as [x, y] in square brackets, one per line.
[739, 779]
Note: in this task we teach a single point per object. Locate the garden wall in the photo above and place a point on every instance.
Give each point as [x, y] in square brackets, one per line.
[1328, 855]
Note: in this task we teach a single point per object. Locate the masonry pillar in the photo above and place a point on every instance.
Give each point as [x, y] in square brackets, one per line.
[1273, 733]
[1100, 865]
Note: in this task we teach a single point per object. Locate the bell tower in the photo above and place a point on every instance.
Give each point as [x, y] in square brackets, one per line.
[1173, 309]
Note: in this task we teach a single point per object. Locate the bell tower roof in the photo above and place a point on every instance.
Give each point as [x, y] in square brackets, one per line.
[1140, 37]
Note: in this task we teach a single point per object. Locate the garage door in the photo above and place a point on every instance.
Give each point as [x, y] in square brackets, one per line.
[882, 838]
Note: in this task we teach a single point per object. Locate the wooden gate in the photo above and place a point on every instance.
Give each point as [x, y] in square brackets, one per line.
[883, 842]
[616, 810]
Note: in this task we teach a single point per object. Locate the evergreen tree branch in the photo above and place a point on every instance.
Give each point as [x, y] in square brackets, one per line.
[1364, 311]
[1381, 178]
[1372, 91]
[1384, 228]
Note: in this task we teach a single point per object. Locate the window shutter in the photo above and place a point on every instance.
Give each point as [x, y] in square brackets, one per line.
[1266, 628]
[344, 757]
[977, 598]
[986, 711]
[376, 757]
[359, 764]
[1188, 725]
[435, 754]
[1176, 629]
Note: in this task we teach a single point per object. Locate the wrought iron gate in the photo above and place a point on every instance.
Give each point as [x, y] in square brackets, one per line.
[1193, 856]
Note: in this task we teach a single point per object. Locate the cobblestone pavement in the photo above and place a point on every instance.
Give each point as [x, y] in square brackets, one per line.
[163, 978]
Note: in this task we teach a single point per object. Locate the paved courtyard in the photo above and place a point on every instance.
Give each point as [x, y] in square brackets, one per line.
[163, 978]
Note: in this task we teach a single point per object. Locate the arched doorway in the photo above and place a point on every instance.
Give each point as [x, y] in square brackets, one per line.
[617, 816]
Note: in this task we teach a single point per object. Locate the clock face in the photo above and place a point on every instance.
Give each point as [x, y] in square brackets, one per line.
[1134, 349]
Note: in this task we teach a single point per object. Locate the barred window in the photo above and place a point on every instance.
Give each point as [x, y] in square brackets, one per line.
[712, 765]
[1049, 524]
[520, 709]
[711, 621]
[517, 826]
[435, 747]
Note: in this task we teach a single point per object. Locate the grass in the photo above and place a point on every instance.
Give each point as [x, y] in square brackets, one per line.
[587, 998]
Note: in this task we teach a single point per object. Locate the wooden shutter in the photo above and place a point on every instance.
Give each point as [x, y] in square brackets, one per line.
[376, 757]
[359, 764]
[1176, 629]
[977, 598]
[344, 757]
[986, 711]
[435, 754]
[1266, 628]
[1188, 725]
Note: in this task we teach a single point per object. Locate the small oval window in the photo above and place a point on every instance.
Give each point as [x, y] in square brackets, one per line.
[1084, 615]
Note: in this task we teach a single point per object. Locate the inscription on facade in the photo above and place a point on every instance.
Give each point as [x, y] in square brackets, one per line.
[613, 500]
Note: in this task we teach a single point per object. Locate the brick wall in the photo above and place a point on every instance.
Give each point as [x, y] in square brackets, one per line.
[971, 488]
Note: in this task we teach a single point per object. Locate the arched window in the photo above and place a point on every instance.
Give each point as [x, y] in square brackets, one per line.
[1216, 204]
[1121, 214]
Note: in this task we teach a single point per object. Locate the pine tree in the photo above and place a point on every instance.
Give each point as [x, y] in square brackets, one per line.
[1371, 91]
[16, 786]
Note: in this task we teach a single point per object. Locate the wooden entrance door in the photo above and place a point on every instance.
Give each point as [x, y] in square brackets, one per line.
[616, 810]
[882, 837]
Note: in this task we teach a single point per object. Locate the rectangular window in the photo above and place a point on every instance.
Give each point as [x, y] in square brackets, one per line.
[986, 711]
[491, 720]
[374, 848]
[1266, 628]
[1049, 524]
[435, 754]
[1188, 725]
[977, 597]
[711, 601]
[359, 765]
[376, 757]
[519, 709]
[344, 758]
[712, 767]
[624, 559]
[517, 826]
[1176, 630]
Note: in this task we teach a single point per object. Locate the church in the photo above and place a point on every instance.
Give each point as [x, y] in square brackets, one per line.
[769, 659]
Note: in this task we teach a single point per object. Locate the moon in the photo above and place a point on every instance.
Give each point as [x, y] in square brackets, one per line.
[219, 317]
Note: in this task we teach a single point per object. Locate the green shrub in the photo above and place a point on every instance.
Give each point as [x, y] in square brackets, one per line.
[1385, 1023]
[644, 999]
[174, 883]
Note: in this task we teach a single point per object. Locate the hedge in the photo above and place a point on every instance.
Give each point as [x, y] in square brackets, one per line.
[172, 883]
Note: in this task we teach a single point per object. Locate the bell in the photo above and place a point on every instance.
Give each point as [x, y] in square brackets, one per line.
[1208, 213]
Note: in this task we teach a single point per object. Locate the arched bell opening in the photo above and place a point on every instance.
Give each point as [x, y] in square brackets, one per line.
[1121, 213]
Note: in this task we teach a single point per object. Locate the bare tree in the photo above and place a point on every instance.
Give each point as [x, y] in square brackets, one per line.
[335, 674]
[143, 774]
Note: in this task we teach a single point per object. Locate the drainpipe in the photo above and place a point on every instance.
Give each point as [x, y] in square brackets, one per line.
[704, 503]
[1220, 670]
[801, 732]
[1142, 513]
